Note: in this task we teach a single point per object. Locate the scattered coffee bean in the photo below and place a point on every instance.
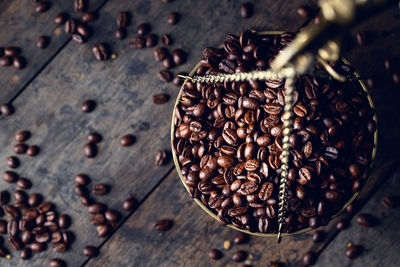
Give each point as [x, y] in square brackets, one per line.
[80, 5]
[112, 216]
[25, 254]
[43, 42]
[97, 219]
[160, 99]
[64, 221]
[90, 251]
[309, 258]
[166, 40]
[123, 19]
[12, 51]
[60, 247]
[4, 197]
[168, 62]
[45, 207]
[34, 200]
[179, 56]
[20, 196]
[143, 29]
[100, 189]
[6, 109]
[120, 33]
[81, 190]
[160, 158]
[3, 227]
[160, 53]
[6, 61]
[151, 40]
[341, 224]
[22, 136]
[166, 1]
[86, 201]
[318, 236]
[82, 179]
[89, 16]
[396, 78]
[163, 225]
[37, 247]
[354, 251]
[137, 42]
[10, 176]
[350, 208]
[240, 238]
[246, 10]
[165, 76]
[239, 256]
[127, 140]
[173, 18]
[83, 31]
[32, 151]
[97, 208]
[78, 38]
[366, 220]
[24, 183]
[70, 26]
[304, 11]
[100, 51]
[104, 230]
[19, 62]
[60, 18]
[20, 148]
[57, 263]
[42, 7]
[388, 64]
[177, 80]
[214, 254]
[13, 162]
[94, 138]
[129, 204]
[88, 106]
[388, 202]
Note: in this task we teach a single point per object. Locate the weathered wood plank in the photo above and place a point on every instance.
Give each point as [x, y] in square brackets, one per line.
[21, 26]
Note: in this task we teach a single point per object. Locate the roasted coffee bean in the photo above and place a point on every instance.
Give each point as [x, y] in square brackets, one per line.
[24, 183]
[10, 176]
[361, 38]
[56, 237]
[341, 224]
[45, 207]
[60, 18]
[34, 200]
[3, 227]
[178, 56]
[43, 42]
[89, 16]
[396, 78]
[60, 247]
[366, 220]
[123, 19]
[100, 52]
[67, 237]
[64, 221]
[97, 208]
[240, 238]
[160, 158]
[42, 7]
[388, 202]
[104, 230]
[309, 258]
[166, 40]
[354, 251]
[90, 251]
[4, 197]
[151, 40]
[120, 33]
[100, 189]
[137, 42]
[57, 263]
[83, 31]
[81, 190]
[90, 150]
[94, 138]
[12, 228]
[163, 225]
[160, 53]
[80, 5]
[165, 76]
[86, 201]
[12, 51]
[239, 256]
[32, 150]
[82, 179]
[143, 29]
[20, 149]
[112, 216]
[70, 26]
[246, 10]
[22, 136]
[129, 204]
[214, 254]
[6, 61]
[20, 196]
[318, 236]
[127, 140]
[160, 99]
[19, 62]
[37, 247]
[42, 238]
[304, 11]
[88, 106]
[173, 18]
[168, 62]
[97, 219]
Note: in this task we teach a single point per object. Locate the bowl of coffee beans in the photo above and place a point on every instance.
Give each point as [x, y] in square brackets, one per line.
[227, 139]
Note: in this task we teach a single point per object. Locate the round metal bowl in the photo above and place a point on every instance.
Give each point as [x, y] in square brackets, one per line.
[212, 214]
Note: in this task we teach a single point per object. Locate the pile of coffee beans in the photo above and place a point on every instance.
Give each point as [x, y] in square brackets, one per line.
[228, 139]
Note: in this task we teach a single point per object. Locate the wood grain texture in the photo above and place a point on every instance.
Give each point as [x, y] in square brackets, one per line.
[21, 26]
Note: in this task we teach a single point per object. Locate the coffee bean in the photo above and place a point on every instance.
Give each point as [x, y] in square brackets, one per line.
[97, 219]
[100, 52]
[239, 256]
[214, 254]
[24, 183]
[178, 56]
[143, 29]
[165, 76]
[318, 236]
[366, 220]
[82, 31]
[168, 62]
[10, 176]
[160, 99]
[22, 136]
[60, 247]
[160, 158]
[12, 228]
[246, 10]
[123, 19]
[19, 62]
[90, 251]
[80, 5]
[32, 151]
[304, 11]
[20, 148]
[129, 204]
[97, 208]
[151, 40]
[6, 61]
[354, 251]
[163, 225]
[26, 237]
[94, 138]
[388, 202]
[100, 189]
[361, 38]
[166, 39]
[173, 18]
[104, 230]
[178, 81]
[396, 78]
[341, 224]
[309, 258]
[37, 247]
[20, 196]
[240, 238]
[81, 190]
[67, 237]
[34, 200]
[57, 263]
[70, 26]
[43, 42]
[88, 106]
[90, 150]
[120, 33]
[160, 53]
[64, 221]
[82, 179]
[60, 18]
[127, 140]
[13, 162]
[45, 207]
[42, 7]
[56, 237]
[3, 227]
[86, 201]
[12, 51]
[137, 42]
[14, 242]
[4, 197]
[89, 16]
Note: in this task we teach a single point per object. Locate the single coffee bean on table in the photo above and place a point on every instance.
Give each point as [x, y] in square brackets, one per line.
[160, 99]
[163, 225]
[57, 263]
[42, 7]
[246, 10]
[70, 26]
[88, 106]
[137, 42]
[90, 150]
[80, 5]
[123, 19]
[239, 256]
[82, 179]
[13, 162]
[6, 61]
[32, 150]
[19, 62]
[164, 76]
[127, 140]
[388, 202]
[100, 52]
[89, 16]
[43, 42]
[240, 238]
[100, 189]
[366, 220]
[143, 29]
[354, 251]
[233, 130]
[151, 40]
[90, 251]
[94, 137]
[60, 18]
[160, 158]
[120, 33]
[160, 53]
[6, 109]
[214, 254]
[22, 136]
[166, 39]
[129, 204]
[309, 258]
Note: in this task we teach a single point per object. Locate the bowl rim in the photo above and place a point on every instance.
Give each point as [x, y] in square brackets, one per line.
[307, 229]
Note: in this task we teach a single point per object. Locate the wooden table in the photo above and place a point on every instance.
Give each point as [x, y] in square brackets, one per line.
[48, 93]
